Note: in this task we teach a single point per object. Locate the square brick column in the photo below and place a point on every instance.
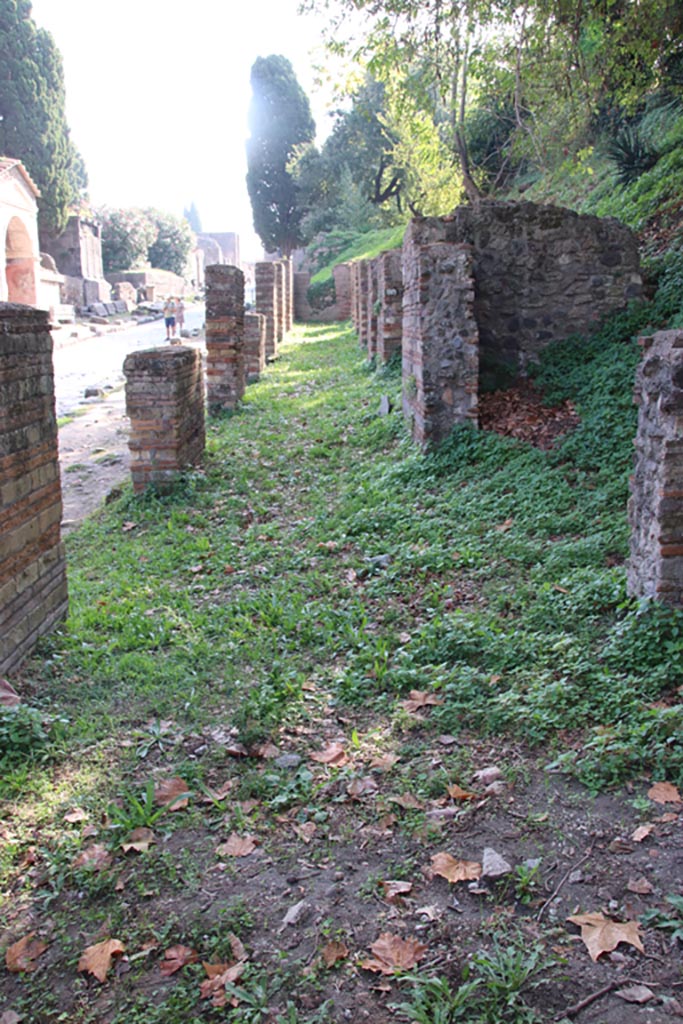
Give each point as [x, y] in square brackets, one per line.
[342, 288]
[225, 363]
[390, 290]
[280, 300]
[165, 403]
[355, 292]
[655, 507]
[254, 345]
[363, 327]
[33, 586]
[266, 303]
[440, 340]
[372, 299]
[288, 285]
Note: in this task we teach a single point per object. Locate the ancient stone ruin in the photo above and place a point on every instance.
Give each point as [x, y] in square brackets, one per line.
[225, 363]
[656, 504]
[33, 588]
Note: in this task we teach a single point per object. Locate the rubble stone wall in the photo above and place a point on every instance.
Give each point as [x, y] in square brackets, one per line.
[440, 340]
[655, 567]
[33, 586]
[390, 297]
[225, 357]
[165, 403]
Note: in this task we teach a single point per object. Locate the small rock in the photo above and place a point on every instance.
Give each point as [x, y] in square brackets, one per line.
[575, 877]
[493, 865]
[288, 761]
[385, 405]
[93, 392]
[295, 913]
[495, 788]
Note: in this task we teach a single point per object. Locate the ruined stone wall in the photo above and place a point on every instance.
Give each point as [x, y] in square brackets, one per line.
[390, 297]
[254, 345]
[266, 303]
[440, 340]
[656, 505]
[165, 403]
[541, 273]
[33, 588]
[225, 360]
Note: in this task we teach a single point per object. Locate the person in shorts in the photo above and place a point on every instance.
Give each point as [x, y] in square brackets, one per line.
[180, 315]
[169, 317]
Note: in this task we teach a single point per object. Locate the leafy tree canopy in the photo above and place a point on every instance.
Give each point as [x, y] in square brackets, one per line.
[173, 242]
[33, 124]
[126, 238]
[280, 120]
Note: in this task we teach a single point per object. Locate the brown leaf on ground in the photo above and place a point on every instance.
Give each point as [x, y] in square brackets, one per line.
[237, 947]
[75, 815]
[172, 793]
[640, 885]
[393, 953]
[394, 890]
[407, 801]
[175, 958]
[333, 755]
[22, 955]
[642, 832]
[519, 412]
[664, 793]
[306, 831]
[95, 857]
[420, 699]
[456, 792]
[266, 751]
[8, 695]
[333, 952]
[237, 846]
[140, 840]
[601, 935]
[384, 762]
[359, 788]
[216, 795]
[10, 1017]
[453, 869]
[96, 960]
[218, 976]
[635, 994]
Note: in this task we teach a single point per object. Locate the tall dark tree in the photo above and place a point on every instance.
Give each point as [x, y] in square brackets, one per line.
[33, 124]
[279, 120]
[191, 214]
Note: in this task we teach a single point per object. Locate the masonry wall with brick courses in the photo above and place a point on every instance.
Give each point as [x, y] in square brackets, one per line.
[280, 302]
[165, 403]
[363, 288]
[342, 289]
[655, 568]
[542, 273]
[355, 294]
[372, 286]
[225, 359]
[33, 586]
[289, 295]
[302, 307]
[265, 303]
[440, 340]
[254, 345]
[390, 294]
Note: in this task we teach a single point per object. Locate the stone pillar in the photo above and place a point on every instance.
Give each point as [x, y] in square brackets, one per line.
[363, 303]
[390, 291]
[33, 587]
[355, 292]
[302, 308]
[342, 288]
[254, 345]
[264, 275]
[289, 294]
[655, 507]
[372, 299]
[440, 340]
[225, 368]
[165, 403]
[280, 300]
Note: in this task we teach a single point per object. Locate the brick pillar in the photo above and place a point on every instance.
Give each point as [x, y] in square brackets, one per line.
[372, 298]
[656, 504]
[302, 309]
[440, 340]
[264, 274]
[390, 291]
[225, 372]
[355, 291]
[342, 288]
[363, 303]
[33, 587]
[280, 300]
[254, 345]
[165, 403]
[288, 287]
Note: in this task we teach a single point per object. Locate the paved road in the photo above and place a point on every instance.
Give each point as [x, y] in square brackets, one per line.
[98, 361]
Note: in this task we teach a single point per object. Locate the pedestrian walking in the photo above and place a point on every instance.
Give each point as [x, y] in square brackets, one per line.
[180, 315]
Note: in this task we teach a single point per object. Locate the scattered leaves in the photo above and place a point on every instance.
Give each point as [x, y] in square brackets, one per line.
[393, 953]
[394, 890]
[333, 952]
[175, 958]
[95, 857]
[601, 935]
[139, 840]
[306, 831]
[172, 793]
[218, 976]
[97, 959]
[22, 955]
[453, 869]
[420, 699]
[664, 793]
[333, 755]
[237, 846]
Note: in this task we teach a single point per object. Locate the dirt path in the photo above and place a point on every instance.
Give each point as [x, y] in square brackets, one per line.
[94, 457]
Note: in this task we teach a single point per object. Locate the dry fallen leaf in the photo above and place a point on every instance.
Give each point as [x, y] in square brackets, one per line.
[75, 815]
[642, 832]
[420, 699]
[172, 793]
[140, 840]
[96, 960]
[601, 935]
[635, 994]
[333, 755]
[237, 846]
[453, 869]
[407, 801]
[96, 857]
[333, 952]
[306, 831]
[175, 958]
[393, 953]
[22, 955]
[237, 947]
[394, 890]
[218, 976]
[358, 788]
[216, 795]
[457, 793]
[10, 1017]
[384, 762]
[8, 695]
[664, 793]
[640, 885]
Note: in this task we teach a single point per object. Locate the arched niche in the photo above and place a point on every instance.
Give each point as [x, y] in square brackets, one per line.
[20, 264]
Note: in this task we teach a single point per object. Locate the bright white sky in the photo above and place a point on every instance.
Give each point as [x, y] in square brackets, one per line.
[157, 93]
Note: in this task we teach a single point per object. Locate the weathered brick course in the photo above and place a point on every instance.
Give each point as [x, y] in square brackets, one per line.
[225, 359]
